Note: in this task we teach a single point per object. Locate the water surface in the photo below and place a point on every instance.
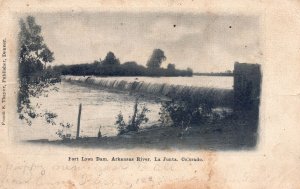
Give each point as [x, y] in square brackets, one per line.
[100, 107]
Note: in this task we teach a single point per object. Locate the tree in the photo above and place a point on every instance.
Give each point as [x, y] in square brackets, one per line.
[33, 73]
[130, 63]
[110, 59]
[190, 71]
[171, 66]
[156, 59]
[34, 53]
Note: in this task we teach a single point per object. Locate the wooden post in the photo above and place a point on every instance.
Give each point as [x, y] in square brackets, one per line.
[78, 122]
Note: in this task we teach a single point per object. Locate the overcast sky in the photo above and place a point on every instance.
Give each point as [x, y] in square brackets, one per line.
[203, 42]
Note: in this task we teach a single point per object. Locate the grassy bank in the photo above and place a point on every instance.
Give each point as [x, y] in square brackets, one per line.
[230, 134]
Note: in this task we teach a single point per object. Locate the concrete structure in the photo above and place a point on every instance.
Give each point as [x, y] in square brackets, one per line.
[244, 96]
[247, 86]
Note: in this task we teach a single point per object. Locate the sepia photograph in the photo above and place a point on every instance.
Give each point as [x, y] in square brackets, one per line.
[155, 80]
[149, 94]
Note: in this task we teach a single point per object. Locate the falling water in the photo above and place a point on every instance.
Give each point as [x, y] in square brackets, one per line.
[217, 96]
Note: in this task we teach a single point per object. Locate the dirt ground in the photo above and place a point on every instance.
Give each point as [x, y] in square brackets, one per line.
[230, 134]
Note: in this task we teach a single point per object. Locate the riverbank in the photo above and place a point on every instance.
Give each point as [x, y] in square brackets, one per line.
[229, 134]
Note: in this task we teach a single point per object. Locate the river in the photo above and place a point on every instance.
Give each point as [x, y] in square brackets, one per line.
[100, 107]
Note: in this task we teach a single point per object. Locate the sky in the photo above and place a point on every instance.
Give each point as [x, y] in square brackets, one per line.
[203, 42]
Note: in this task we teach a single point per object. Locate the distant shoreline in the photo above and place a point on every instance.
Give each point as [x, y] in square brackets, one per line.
[138, 76]
[214, 74]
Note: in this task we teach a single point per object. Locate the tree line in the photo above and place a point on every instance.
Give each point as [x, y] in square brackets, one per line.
[111, 66]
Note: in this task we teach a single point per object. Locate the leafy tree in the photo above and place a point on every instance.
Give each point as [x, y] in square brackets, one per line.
[34, 53]
[110, 59]
[171, 67]
[34, 75]
[156, 59]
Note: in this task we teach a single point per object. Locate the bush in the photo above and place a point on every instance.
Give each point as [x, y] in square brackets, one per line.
[164, 117]
[64, 133]
[134, 123]
[184, 111]
[122, 127]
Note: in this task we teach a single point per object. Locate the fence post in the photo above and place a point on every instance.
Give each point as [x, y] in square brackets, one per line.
[78, 122]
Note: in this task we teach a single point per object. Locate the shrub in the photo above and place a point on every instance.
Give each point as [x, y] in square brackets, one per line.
[64, 133]
[164, 117]
[138, 117]
[121, 124]
[184, 111]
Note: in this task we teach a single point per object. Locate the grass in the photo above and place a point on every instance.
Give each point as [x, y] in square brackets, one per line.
[230, 134]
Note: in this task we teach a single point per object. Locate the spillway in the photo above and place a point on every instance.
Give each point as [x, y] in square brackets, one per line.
[216, 96]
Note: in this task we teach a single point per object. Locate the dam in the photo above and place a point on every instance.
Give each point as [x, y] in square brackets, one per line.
[217, 96]
[245, 94]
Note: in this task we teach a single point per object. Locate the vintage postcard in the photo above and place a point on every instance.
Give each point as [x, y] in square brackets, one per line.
[149, 94]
